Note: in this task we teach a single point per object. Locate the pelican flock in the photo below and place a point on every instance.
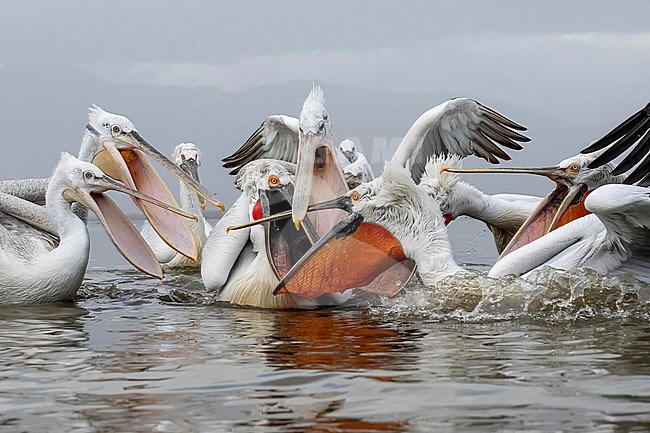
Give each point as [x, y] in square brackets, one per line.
[591, 220]
[312, 221]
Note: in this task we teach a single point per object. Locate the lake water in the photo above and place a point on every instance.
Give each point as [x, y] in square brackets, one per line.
[131, 354]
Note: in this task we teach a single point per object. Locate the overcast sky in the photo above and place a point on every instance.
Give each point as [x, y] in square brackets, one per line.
[586, 62]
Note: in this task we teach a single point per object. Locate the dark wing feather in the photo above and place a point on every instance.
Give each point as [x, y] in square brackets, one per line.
[276, 138]
[633, 133]
[459, 126]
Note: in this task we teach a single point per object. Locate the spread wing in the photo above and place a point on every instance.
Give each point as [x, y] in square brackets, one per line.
[276, 138]
[459, 126]
[633, 133]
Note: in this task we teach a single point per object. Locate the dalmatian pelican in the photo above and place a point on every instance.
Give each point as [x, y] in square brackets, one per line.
[46, 262]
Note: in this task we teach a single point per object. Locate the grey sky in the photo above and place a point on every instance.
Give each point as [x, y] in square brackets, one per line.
[569, 70]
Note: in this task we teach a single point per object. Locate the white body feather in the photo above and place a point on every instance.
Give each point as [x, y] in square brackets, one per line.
[32, 269]
[614, 238]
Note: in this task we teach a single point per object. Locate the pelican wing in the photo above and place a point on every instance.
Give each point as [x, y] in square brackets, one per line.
[20, 242]
[27, 189]
[633, 133]
[625, 212]
[276, 138]
[459, 126]
[32, 214]
[222, 248]
[615, 238]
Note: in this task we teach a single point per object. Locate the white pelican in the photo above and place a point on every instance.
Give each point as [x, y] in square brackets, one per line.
[112, 142]
[38, 267]
[188, 157]
[243, 266]
[615, 237]
[357, 170]
[458, 126]
[576, 177]
[391, 222]
[574, 182]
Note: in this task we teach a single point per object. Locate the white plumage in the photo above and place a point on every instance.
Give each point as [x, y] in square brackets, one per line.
[356, 168]
[502, 213]
[615, 237]
[39, 267]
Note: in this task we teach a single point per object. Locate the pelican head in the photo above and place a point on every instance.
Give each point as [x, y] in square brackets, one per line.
[441, 183]
[316, 154]
[574, 181]
[188, 157]
[264, 174]
[114, 145]
[348, 150]
[354, 176]
[269, 184]
[112, 134]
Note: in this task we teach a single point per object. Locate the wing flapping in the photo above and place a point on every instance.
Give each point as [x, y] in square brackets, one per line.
[459, 126]
[276, 138]
[633, 133]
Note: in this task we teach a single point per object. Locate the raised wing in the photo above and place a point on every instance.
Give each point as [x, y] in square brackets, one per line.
[459, 126]
[633, 133]
[276, 138]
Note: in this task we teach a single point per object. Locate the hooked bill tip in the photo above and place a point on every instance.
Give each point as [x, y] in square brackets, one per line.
[443, 169]
[297, 222]
[220, 206]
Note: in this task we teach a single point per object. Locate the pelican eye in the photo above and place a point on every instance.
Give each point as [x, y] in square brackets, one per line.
[183, 157]
[116, 129]
[574, 168]
[274, 181]
[321, 127]
[89, 175]
[355, 197]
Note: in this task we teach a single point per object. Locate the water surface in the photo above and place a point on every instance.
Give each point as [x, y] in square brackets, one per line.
[130, 354]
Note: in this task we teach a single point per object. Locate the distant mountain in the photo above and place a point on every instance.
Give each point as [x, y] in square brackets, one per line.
[44, 111]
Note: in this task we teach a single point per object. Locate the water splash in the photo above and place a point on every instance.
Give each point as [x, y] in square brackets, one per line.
[548, 294]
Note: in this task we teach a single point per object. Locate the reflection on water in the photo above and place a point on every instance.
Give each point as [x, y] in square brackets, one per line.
[563, 352]
[339, 342]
